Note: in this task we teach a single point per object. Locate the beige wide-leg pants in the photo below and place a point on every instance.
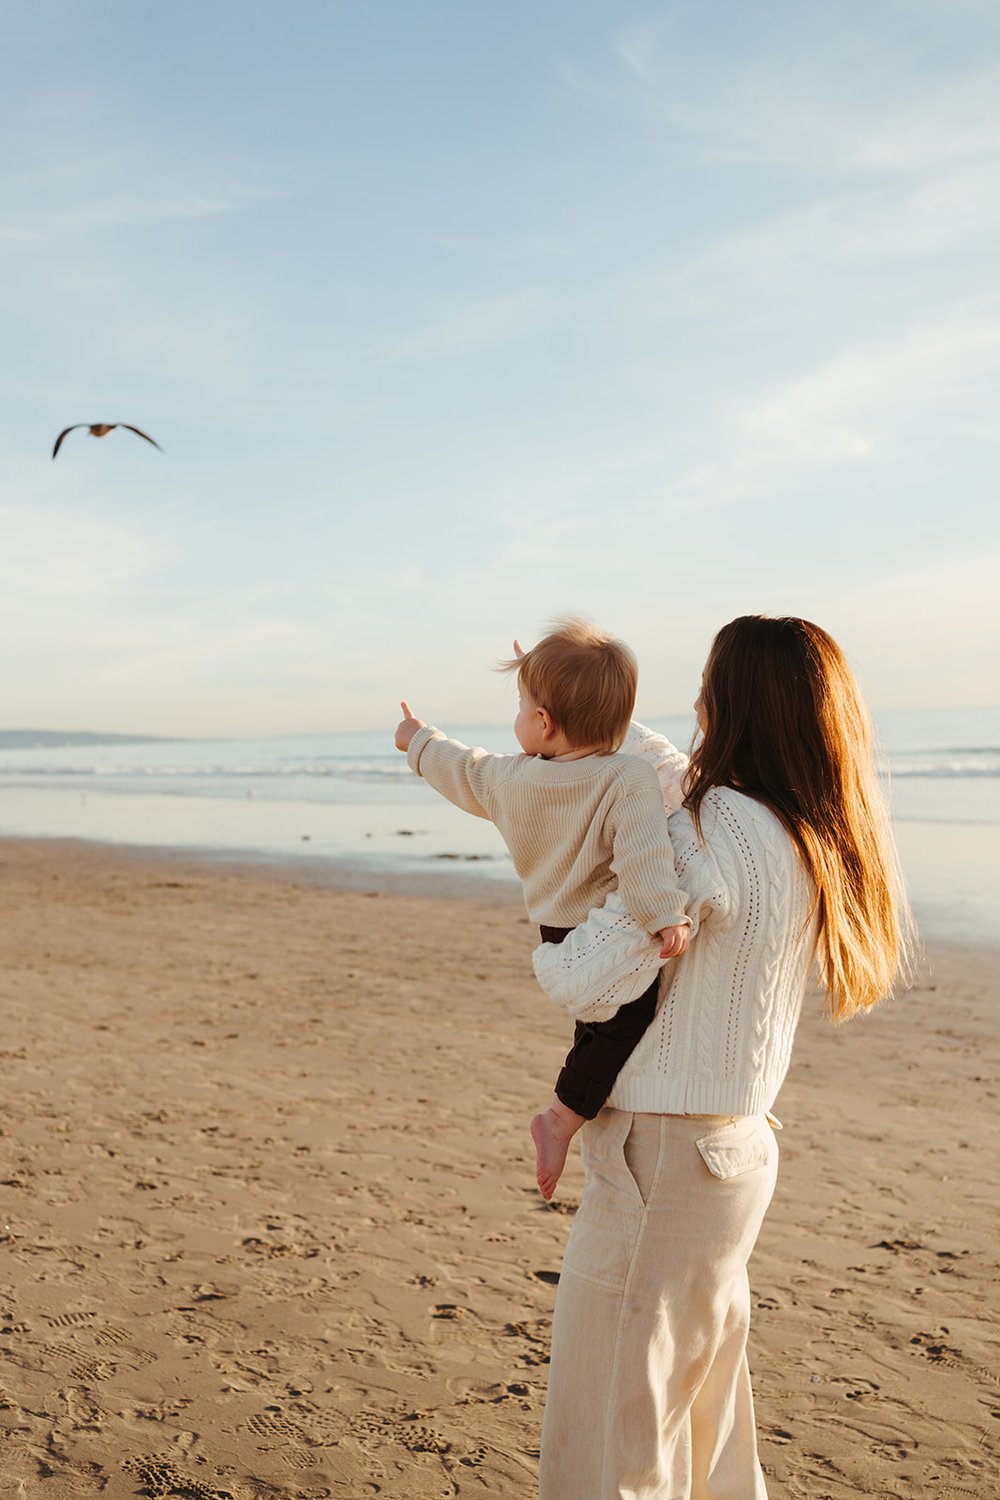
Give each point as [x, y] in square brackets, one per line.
[649, 1390]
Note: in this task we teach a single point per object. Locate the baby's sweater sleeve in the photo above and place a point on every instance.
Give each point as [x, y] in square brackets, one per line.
[642, 855]
[465, 776]
[608, 960]
[667, 761]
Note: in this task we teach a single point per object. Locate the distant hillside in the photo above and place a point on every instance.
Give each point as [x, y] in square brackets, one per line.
[20, 739]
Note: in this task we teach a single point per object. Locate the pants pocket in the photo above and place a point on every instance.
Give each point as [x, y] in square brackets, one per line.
[642, 1151]
[608, 1221]
[737, 1148]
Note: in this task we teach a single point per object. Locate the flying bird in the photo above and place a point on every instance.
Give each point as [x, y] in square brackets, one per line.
[101, 429]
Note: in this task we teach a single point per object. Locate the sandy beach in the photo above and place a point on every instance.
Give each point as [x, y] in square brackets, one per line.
[268, 1225]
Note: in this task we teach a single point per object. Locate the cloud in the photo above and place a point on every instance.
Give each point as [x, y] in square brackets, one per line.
[920, 388]
[839, 408]
[485, 324]
[54, 561]
[122, 188]
[948, 215]
[802, 120]
[922, 629]
[91, 634]
[16, 234]
[127, 207]
[828, 98]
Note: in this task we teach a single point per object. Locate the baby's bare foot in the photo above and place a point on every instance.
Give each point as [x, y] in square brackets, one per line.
[552, 1133]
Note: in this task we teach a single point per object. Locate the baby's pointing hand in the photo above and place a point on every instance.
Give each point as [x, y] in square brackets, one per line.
[674, 940]
[407, 727]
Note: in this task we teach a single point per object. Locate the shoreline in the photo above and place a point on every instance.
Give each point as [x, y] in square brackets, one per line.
[317, 871]
[448, 879]
[268, 1226]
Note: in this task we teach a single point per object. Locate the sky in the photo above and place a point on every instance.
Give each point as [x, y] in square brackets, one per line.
[453, 317]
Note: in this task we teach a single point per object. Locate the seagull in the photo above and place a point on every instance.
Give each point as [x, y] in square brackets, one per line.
[101, 429]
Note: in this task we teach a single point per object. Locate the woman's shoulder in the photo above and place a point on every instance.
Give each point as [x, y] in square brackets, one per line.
[730, 818]
[745, 850]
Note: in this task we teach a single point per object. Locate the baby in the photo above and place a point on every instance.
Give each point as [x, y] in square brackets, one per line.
[580, 820]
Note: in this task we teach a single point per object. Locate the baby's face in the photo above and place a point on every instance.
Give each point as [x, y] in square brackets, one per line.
[529, 726]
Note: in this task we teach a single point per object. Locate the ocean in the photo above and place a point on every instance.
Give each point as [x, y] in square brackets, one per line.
[346, 803]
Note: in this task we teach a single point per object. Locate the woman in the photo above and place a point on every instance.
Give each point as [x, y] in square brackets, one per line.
[783, 843]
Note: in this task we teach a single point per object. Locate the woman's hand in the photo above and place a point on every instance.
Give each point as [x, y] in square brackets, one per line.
[407, 727]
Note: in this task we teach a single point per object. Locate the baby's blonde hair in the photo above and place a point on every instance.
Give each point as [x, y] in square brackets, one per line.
[584, 678]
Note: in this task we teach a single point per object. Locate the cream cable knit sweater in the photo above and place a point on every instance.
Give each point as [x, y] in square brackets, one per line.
[722, 1036]
[576, 829]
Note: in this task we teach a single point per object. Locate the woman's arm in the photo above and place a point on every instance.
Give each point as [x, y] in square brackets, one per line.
[667, 761]
[610, 960]
[606, 962]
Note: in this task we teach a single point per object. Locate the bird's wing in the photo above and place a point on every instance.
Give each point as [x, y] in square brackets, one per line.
[145, 435]
[63, 434]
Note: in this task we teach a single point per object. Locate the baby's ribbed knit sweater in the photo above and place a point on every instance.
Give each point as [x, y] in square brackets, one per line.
[721, 1040]
[576, 829]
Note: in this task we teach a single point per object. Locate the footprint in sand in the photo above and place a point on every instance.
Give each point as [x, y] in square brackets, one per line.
[134, 1359]
[291, 1285]
[297, 1458]
[894, 1452]
[471, 1392]
[408, 1431]
[160, 1477]
[272, 1423]
[272, 1250]
[857, 1389]
[322, 1429]
[84, 1413]
[187, 1327]
[824, 1463]
[478, 1393]
[895, 1247]
[156, 1411]
[930, 1345]
[451, 1312]
[536, 1334]
[69, 1319]
[949, 1256]
[111, 1333]
[94, 1369]
[60, 1350]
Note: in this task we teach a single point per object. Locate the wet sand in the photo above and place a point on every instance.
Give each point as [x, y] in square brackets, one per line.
[268, 1225]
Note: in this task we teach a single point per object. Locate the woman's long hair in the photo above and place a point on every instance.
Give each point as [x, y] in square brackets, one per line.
[787, 725]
